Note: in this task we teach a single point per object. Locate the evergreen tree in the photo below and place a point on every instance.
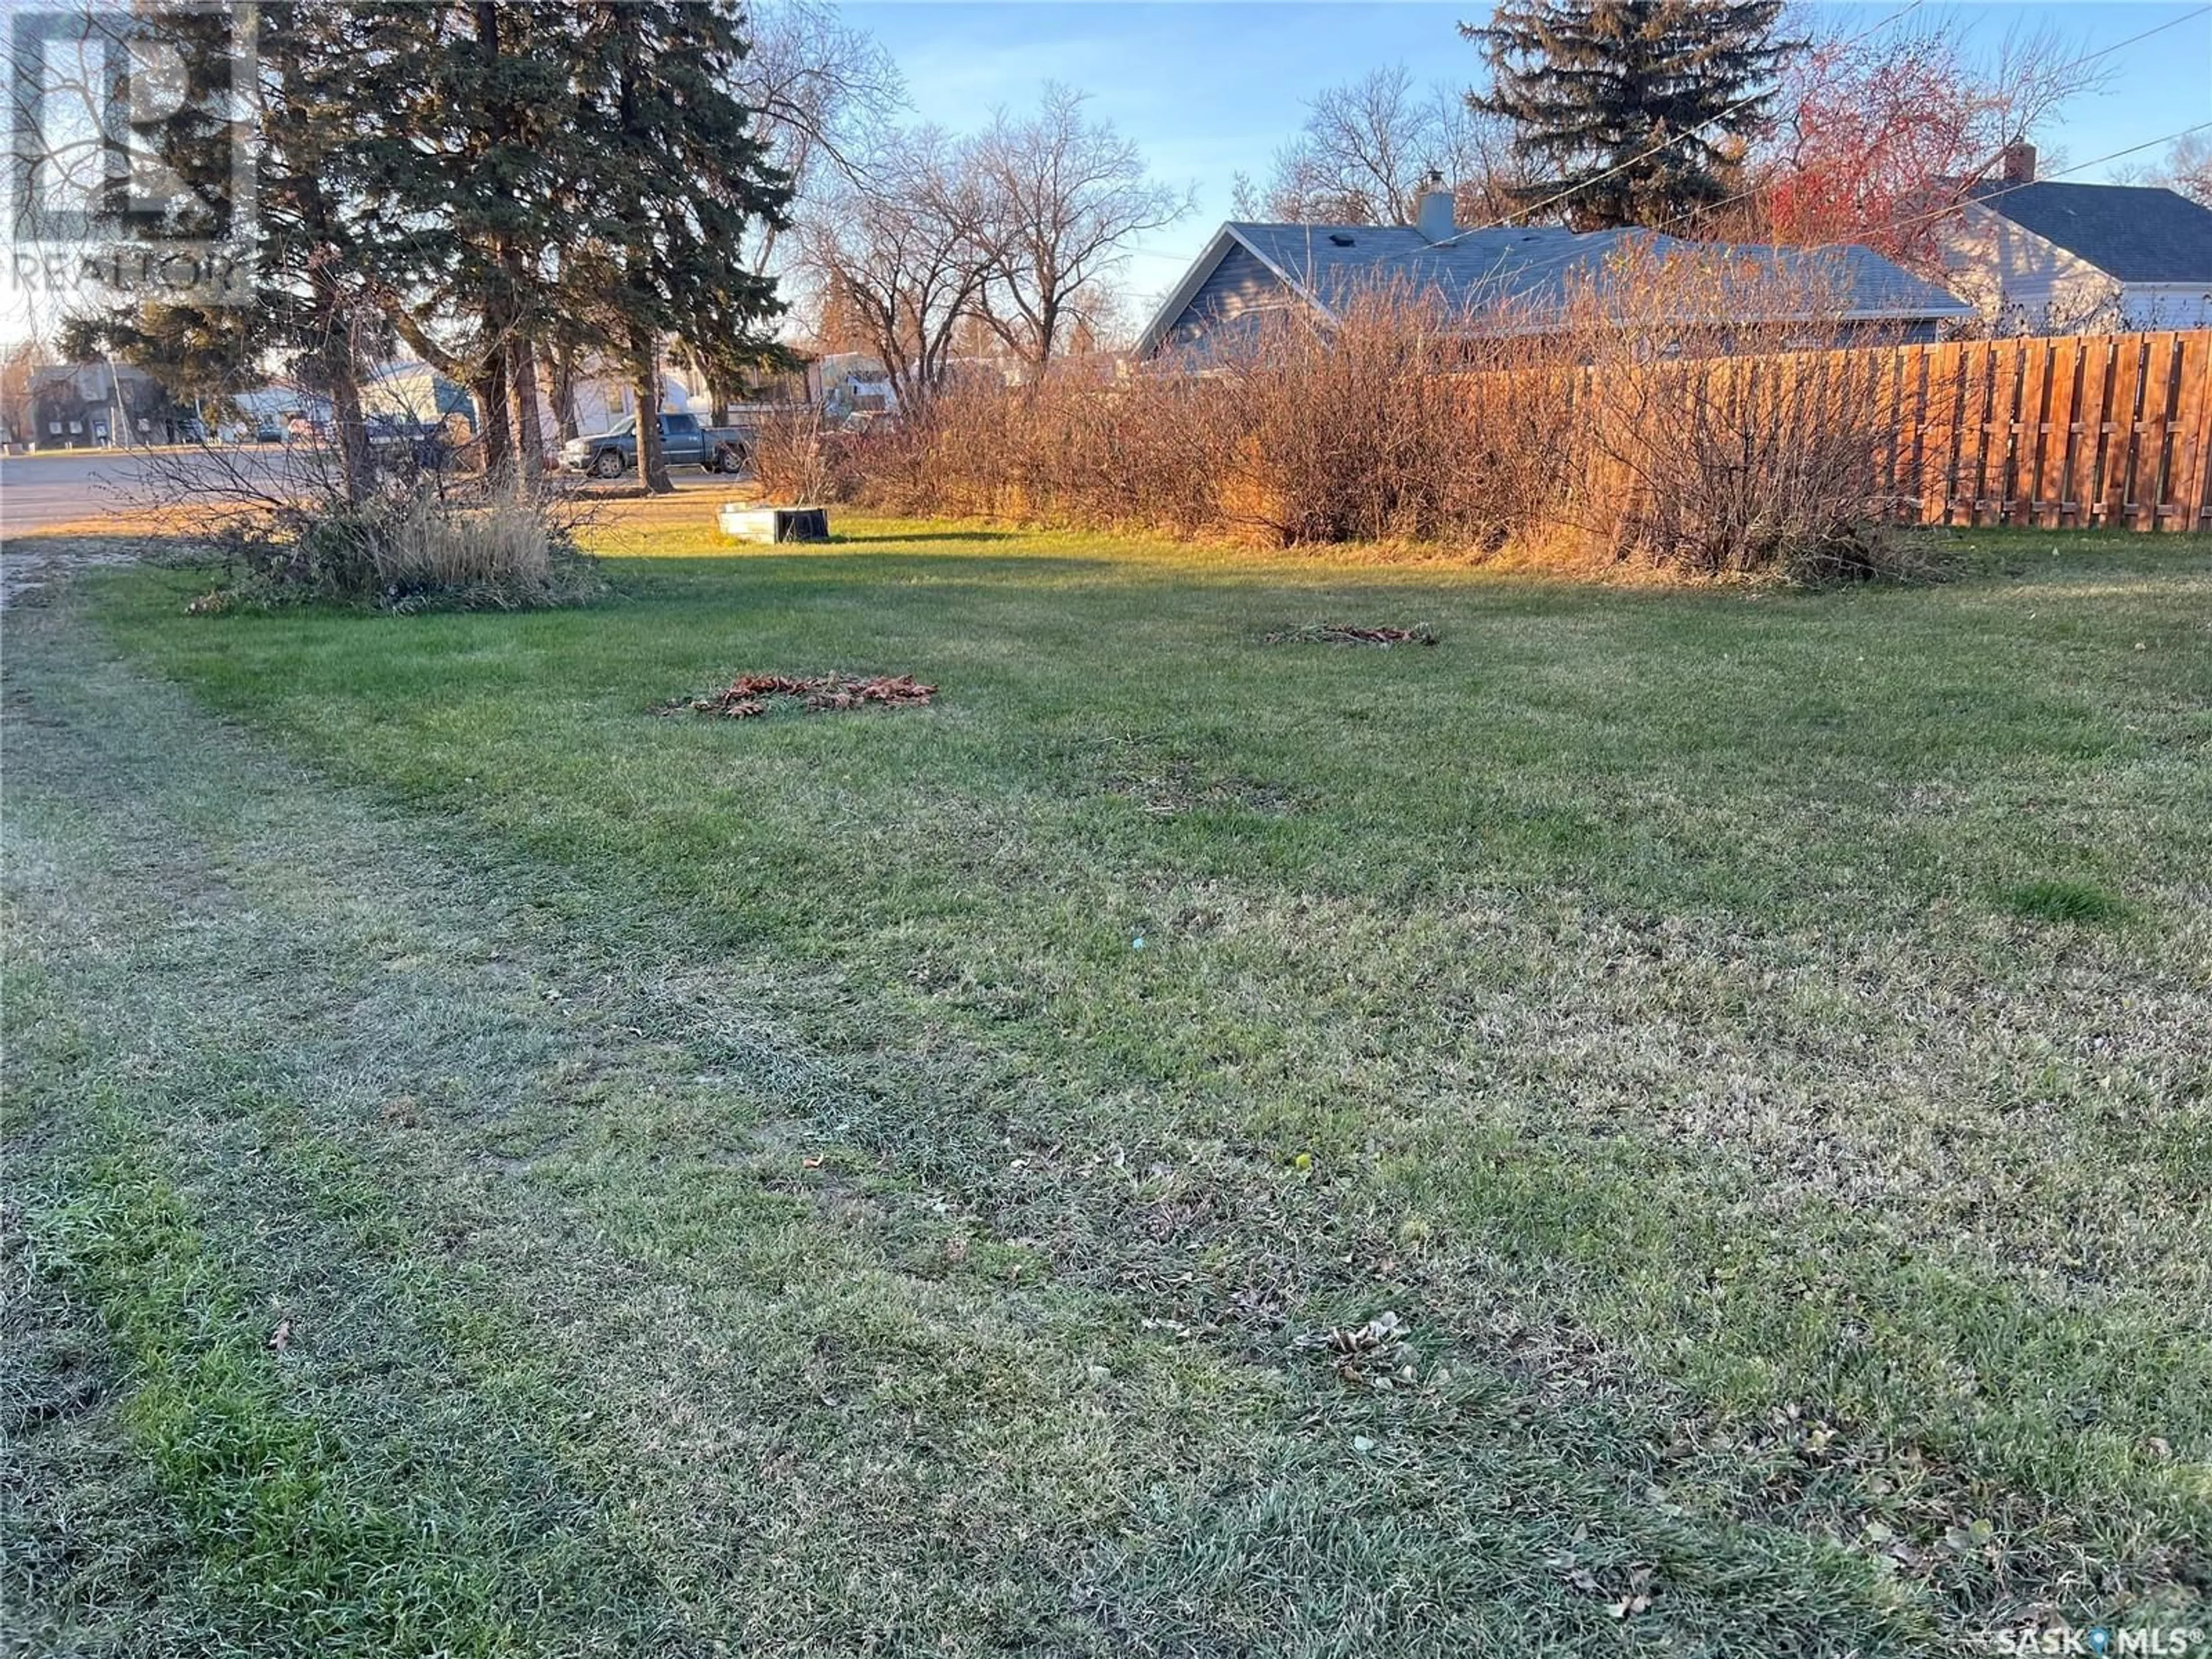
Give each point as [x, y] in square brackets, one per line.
[476, 177]
[302, 302]
[678, 174]
[1632, 112]
[463, 149]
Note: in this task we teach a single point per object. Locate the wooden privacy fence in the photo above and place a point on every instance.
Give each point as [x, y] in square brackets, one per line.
[2112, 431]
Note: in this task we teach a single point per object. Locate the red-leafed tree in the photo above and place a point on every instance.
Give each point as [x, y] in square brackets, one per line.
[1872, 138]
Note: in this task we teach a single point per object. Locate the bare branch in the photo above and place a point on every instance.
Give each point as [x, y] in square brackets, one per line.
[1067, 195]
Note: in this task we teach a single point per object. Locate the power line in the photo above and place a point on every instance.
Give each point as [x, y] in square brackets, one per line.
[1737, 108]
[1748, 192]
[2088, 58]
[1991, 195]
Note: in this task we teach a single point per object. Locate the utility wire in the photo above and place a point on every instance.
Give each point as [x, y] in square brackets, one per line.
[1751, 191]
[2007, 190]
[1740, 106]
[2087, 57]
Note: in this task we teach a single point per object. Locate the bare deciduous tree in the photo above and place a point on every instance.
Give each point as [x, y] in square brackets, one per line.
[825, 93]
[1873, 139]
[903, 254]
[1367, 146]
[1067, 194]
[20, 363]
[2186, 167]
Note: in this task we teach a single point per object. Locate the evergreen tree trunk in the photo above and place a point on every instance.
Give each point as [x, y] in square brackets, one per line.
[563, 366]
[340, 365]
[522, 391]
[521, 363]
[487, 386]
[645, 368]
[342, 378]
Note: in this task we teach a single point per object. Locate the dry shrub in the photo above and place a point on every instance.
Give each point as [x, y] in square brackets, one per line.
[1721, 432]
[1396, 423]
[1642, 420]
[415, 541]
[1392, 423]
[421, 541]
[799, 459]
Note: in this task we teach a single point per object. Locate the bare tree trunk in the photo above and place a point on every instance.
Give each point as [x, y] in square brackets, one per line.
[645, 369]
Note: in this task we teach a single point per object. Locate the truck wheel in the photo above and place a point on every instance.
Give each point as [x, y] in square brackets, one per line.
[730, 458]
[607, 464]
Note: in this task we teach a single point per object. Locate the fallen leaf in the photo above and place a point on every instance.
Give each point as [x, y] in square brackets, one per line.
[748, 695]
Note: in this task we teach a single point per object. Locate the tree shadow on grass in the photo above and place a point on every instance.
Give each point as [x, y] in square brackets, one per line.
[840, 539]
[864, 572]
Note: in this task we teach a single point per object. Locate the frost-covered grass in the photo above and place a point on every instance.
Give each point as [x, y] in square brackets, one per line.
[746, 1182]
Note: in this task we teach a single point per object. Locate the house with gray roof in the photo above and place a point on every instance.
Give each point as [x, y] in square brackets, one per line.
[1500, 278]
[2038, 257]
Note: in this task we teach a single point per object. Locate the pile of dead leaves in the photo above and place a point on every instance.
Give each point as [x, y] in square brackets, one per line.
[1376, 1355]
[1346, 633]
[755, 694]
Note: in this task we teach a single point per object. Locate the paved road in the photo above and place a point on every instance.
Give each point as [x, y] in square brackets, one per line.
[41, 490]
[37, 491]
[44, 490]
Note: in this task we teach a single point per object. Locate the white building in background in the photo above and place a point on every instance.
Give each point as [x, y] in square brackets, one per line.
[849, 383]
[2039, 258]
[605, 398]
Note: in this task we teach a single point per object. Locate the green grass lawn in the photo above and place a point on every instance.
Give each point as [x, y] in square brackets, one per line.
[498, 1172]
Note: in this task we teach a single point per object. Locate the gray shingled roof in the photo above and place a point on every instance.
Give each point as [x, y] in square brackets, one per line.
[1534, 267]
[2131, 232]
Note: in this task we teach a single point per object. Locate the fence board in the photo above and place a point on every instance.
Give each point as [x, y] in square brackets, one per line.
[2096, 430]
[1911, 489]
[2031, 439]
[2064, 384]
[2089, 471]
[1954, 392]
[2132, 354]
[2193, 453]
[2024, 374]
[2169, 440]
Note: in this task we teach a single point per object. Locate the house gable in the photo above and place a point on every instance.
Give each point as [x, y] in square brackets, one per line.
[2008, 271]
[1228, 288]
[1231, 303]
[2132, 233]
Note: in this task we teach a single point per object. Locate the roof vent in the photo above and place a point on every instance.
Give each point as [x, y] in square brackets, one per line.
[1340, 238]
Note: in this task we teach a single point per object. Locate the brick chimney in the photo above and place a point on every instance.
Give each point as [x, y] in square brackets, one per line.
[1432, 209]
[2018, 162]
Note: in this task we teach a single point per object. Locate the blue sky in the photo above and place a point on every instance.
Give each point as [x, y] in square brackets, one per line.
[1210, 89]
